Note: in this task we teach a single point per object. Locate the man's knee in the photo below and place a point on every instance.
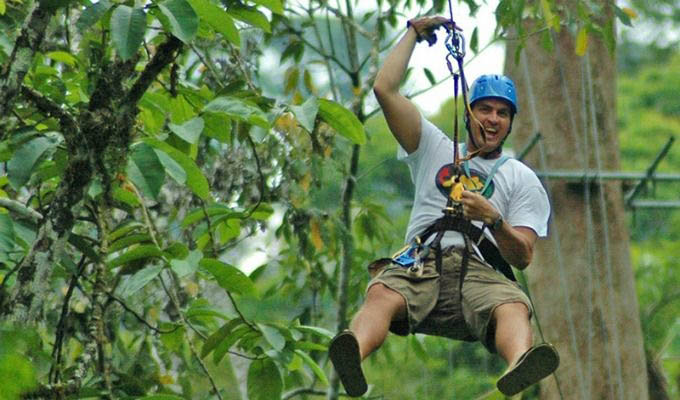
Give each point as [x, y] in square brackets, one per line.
[511, 310]
[387, 299]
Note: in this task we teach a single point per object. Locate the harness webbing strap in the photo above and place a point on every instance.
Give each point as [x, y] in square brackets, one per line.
[489, 251]
[494, 169]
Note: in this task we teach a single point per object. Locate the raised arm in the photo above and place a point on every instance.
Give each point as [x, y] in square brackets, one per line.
[403, 118]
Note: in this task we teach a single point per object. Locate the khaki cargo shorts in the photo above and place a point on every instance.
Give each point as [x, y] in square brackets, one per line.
[433, 302]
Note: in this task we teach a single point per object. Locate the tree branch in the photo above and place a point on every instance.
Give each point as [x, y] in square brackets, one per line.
[20, 60]
[50, 108]
[165, 54]
[21, 209]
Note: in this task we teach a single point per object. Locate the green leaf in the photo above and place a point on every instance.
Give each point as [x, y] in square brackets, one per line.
[128, 26]
[190, 131]
[199, 311]
[124, 229]
[161, 397]
[228, 229]
[195, 178]
[17, 373]
[430, 76]
[251, 16]
[274, 6]
[310, 346]
[25, 160]
[84, 246]
[581, 42]
[342, 120]
[172, 168]
[145, 170]
[183, 19]
[219, 335]
[137, 253]
[262, 212]
[218, 126]
[125, 197]
[128, 241]
[273, 336]
[92, 14]
[64, 57]
[3, 7]
[238, 109]
[306, 113]
[264, 380]
[418, 348]
[218, 19]
[173, 340]
[6, 233]
[176, 250]
[474, 41]
[313, 365]
[188, 265]
[217, 209]
[623, 16]
[229, 277]
[324, 333]
[237, 334]
[139, 280]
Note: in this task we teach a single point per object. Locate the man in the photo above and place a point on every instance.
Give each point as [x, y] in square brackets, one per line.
[512, 210]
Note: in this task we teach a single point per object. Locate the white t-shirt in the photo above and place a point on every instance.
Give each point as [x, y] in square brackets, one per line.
[516, 191]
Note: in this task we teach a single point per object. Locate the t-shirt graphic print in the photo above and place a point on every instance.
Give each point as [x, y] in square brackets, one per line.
[446, 176]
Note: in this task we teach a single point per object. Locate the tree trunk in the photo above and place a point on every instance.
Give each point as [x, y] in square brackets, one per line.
[581, 280]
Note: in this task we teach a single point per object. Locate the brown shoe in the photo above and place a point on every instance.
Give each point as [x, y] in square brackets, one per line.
[344, 354]
[534, 365]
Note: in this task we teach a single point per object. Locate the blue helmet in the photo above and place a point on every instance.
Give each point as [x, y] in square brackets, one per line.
[498, 86]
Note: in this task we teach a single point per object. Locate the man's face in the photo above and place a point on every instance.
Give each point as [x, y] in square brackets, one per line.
[495, 115]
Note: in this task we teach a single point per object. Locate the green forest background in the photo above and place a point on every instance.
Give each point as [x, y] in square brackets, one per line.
[144, 301]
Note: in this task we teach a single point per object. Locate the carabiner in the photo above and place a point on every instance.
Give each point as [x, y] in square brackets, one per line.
[455, 44]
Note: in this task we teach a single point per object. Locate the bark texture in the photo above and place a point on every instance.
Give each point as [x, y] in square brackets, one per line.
[581, 279]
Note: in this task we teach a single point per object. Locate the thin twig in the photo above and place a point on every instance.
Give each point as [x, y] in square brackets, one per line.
[175, 303]
[261, 175]
[317, 50]
[208, 64]
[213, 242]
[138, 316]
[55, 368]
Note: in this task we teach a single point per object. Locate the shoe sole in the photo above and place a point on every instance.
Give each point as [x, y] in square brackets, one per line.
[344, 354]
[536, 364]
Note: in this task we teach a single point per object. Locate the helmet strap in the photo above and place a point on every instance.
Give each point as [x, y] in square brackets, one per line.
[495, 152]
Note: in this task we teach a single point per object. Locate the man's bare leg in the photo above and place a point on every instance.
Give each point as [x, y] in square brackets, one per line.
[371, 324]
[368, 331]
[513, 331]
[527, 364]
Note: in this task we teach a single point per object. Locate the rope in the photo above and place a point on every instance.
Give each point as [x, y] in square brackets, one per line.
[589, 240]
[605, 225]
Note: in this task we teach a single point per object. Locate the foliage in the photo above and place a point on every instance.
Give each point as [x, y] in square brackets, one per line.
[648, 117]
[139, 152]
[590, 18]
